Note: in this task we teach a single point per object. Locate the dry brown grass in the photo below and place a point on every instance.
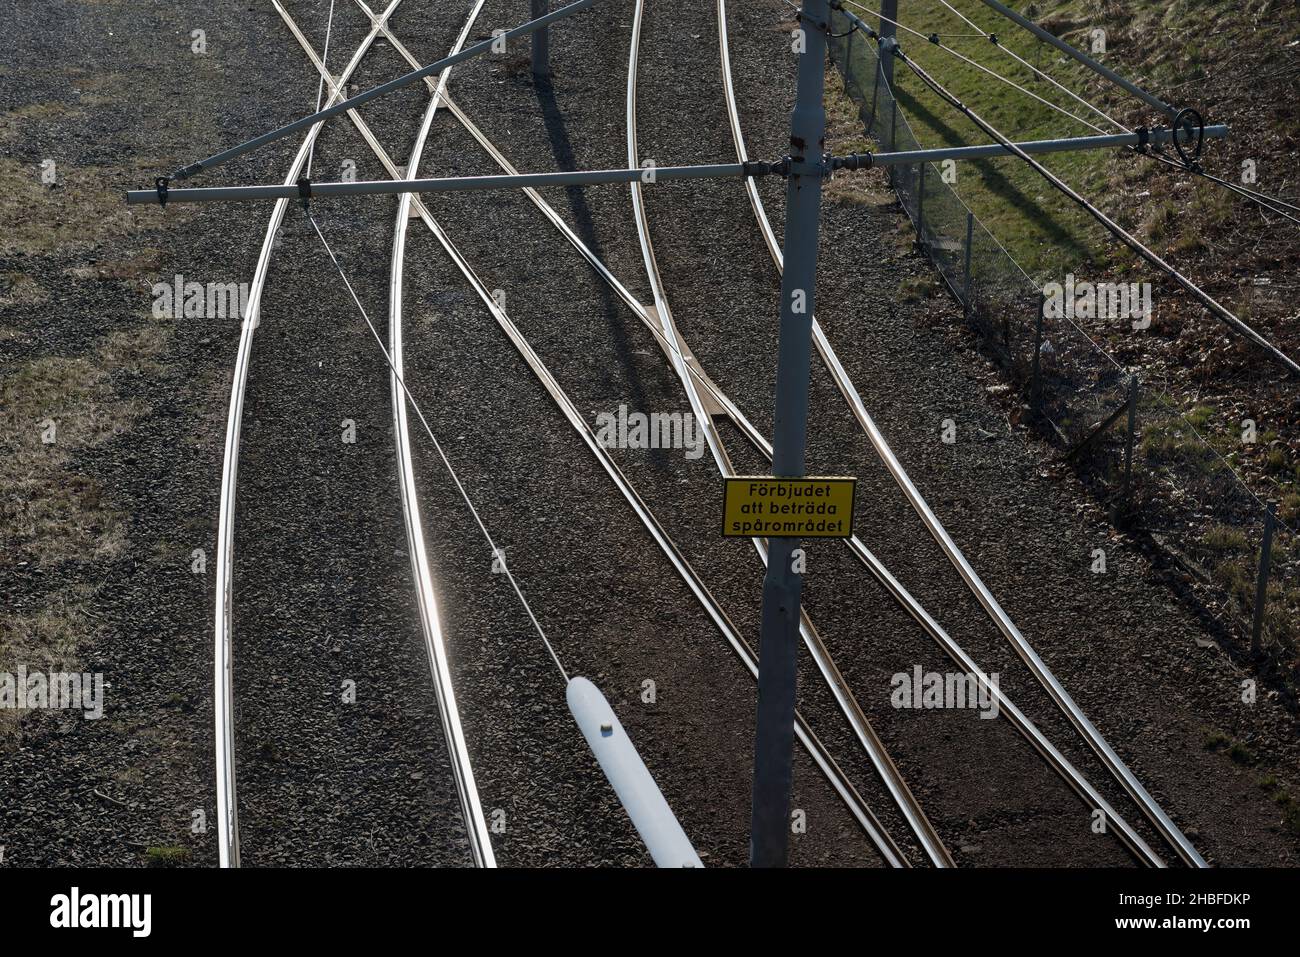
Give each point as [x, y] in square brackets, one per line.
[50, 511]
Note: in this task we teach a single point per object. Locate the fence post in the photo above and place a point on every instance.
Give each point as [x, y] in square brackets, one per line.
[848, 64]
[875, 98]
[1128, 447]
[1035, 381]
[920, 206]
[970, 237]
[885, 61]
[1261, 585]
[888, 32]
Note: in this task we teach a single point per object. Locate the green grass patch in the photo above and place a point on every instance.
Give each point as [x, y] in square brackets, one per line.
[1040, 228]
[170, 855]
[1224, 538]
[1219, 742]
[917, 288]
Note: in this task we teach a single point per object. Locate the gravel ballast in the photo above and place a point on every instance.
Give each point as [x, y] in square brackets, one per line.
[322, 582]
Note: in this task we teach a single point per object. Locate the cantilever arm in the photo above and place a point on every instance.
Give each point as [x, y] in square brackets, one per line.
[402, 81]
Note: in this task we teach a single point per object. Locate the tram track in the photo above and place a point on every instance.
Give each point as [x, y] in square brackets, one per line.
[321, 562]
[911, 809]
[228, 830]
[717, 402]
[1135, 843]
[475, 823]
[853, 400]
[835, 776]
[1085, 728]
[706, 400]
[223, 664]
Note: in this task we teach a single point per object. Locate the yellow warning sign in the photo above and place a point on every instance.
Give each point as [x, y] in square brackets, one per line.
[759, 505]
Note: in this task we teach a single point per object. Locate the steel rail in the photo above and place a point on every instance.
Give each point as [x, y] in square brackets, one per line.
[1099, 68]
[713, 397]
[223, 664]
[476, 825]
[834, 774]
[849, 392]
[885, 768]
[1159, 819]
[830, 769]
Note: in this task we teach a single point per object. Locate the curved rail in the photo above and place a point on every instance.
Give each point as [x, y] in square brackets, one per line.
[834, 774]
[475, 824]
[223, 664]
[885, 768]
[1154, 813]
[714, 398]
[848, 794]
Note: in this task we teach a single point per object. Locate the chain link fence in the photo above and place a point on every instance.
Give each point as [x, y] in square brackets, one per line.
[1166, 470]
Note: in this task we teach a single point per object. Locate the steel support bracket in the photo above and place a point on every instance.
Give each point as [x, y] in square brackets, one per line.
[758, 168]
[851, 161]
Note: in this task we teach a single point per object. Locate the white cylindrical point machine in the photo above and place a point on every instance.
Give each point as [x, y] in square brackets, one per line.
[645, 805]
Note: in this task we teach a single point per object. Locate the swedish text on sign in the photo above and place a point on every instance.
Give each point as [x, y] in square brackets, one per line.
[760, 505]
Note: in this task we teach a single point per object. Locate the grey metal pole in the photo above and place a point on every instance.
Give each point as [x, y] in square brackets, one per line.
[779, 642]
[888, 33]
[884, 50]
[920, 205]
[966, 286]
[1035, 383]
[207, 194]
[1261, 583]
[1128, 447]
[541, 43]
[875, 95]
[1158, 135]
[848, 62]
[580, 177]
[1083, 58]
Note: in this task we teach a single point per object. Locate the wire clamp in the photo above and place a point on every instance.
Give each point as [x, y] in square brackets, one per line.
[304, 190]
[1144, 138]
[1195, 136]
[161, 184]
